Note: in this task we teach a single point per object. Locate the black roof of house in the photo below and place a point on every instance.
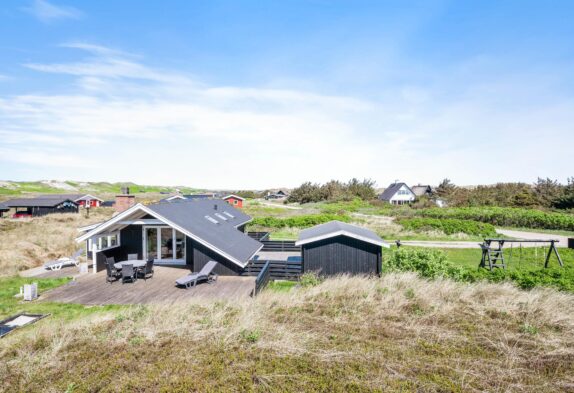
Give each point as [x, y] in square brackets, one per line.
[392, 190]
[3, 207]
[211, 222]
[37, 202]
[338, 228]
[218, 227]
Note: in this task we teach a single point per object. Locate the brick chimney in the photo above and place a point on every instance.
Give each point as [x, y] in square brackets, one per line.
[124, 200]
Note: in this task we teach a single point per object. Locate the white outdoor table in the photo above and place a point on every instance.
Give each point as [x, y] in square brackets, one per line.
[136, 262]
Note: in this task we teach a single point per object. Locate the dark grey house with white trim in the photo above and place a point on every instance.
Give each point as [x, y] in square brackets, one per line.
[41, 206]
[177, 233]
[337, 247]
[3, 209]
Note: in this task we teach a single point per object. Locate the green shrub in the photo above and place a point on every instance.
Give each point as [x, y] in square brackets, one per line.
[251, 336]
[425, 262]
[309, 279]
[448, 226]
[303, 221]
[432, 263]
[499, 216]
[342, 206]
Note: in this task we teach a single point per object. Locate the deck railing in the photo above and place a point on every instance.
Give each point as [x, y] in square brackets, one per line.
[262, 278]
[259, 236]
[280, 245]
[278, 270]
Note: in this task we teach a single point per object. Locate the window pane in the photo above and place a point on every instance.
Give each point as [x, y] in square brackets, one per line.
[179, 245]
[166, 243]
[151, 242]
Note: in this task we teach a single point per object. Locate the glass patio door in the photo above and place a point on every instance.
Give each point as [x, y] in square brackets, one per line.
[151, 243]
[164, 244]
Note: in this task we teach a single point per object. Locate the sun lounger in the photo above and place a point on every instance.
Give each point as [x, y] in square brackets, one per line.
[205, 274]
[73, 260]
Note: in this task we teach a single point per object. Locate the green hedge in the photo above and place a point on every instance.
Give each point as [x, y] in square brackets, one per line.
[304, 221]
[499, 216]
[449, 226]
[427, 263]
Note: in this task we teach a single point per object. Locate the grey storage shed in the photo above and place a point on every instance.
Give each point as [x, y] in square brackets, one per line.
[337, 247]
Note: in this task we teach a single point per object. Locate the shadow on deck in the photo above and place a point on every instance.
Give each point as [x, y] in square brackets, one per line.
[92, 289]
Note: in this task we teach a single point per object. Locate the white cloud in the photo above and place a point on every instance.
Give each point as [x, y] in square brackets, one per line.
[128, 121]
[48, 12]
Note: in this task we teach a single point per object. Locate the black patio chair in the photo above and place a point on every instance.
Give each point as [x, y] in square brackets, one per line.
[146, 271]
[128, 273]
[112, 273]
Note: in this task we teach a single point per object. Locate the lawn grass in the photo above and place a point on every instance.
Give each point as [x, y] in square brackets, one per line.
[281, 285]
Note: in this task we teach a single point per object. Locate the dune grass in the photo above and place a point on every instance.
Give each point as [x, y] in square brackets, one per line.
[395, 333]
[28, 243]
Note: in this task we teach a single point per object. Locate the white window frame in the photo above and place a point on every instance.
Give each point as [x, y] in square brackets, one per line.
[97, 241]
[158, 245]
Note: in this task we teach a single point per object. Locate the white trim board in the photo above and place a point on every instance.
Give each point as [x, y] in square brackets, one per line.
[342, 233]
[91, 198]
[233, 196]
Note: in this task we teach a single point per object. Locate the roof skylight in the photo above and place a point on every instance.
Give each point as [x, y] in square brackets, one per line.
[229, 214]
[221, 216]
[211, 219]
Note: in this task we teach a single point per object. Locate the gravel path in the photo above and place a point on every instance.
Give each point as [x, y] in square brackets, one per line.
[562, 240]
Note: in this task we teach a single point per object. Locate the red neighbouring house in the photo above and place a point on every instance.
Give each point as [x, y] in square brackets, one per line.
[234, 200]
[90, 200]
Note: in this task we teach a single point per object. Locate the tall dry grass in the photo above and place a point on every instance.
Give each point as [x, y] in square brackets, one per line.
[395, 333]
[27, 243]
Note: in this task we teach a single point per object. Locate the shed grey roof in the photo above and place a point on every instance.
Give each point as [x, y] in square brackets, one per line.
[391, 190]
[37, 202]
[4, 207]
[338, 228]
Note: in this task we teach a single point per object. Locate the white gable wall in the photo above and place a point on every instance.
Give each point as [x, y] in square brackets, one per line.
[402, 196]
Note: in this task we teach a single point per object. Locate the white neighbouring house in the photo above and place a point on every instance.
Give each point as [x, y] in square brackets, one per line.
[398, 194]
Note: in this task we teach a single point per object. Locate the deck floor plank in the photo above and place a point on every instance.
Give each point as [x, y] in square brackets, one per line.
[92, 289]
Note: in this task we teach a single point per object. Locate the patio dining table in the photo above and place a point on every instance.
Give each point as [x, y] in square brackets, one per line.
[136, 262]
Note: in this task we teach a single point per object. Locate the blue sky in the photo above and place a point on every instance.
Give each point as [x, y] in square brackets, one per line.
[251, 94]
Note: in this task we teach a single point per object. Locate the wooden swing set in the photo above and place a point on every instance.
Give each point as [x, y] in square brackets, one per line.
[493, 255]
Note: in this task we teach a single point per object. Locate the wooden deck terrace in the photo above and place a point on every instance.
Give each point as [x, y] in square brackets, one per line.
[92, 289]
